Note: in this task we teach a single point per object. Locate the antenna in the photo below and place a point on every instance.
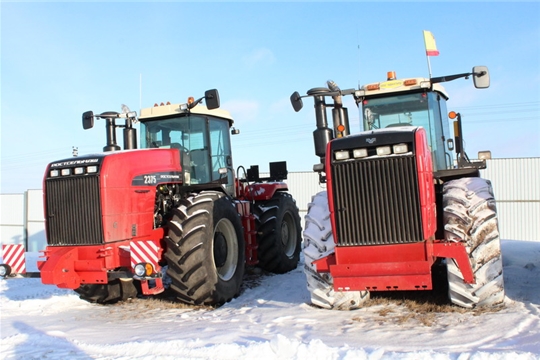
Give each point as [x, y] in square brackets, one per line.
[140, 93]
[428, 66]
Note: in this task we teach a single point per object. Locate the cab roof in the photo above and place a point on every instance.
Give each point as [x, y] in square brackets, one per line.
[177, 109]
[401, 85]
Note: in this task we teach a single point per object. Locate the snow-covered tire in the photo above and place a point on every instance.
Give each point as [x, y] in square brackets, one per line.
[279, 233]
[319, 243]
[116, 290]
[205, 250]
[470, 216]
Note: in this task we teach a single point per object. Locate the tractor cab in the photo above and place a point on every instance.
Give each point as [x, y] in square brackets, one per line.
[202, 136]
[420, 102]
[410, 102]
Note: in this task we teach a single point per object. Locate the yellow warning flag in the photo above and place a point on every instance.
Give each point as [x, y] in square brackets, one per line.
[429, 41]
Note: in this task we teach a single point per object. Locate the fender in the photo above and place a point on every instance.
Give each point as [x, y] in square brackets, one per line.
[264, 191]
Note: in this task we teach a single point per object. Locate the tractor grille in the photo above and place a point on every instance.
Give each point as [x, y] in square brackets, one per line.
[73, 211]
[376, 201]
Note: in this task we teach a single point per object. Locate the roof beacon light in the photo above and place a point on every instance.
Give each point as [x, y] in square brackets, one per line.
[391, 75]
[190, 100]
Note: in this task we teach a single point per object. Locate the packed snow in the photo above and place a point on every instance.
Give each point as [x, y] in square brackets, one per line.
[271, 319]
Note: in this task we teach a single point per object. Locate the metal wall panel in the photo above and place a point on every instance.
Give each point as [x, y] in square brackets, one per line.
[35, 226]
[519, 221]
[302, 186]
[12, 219]
[12, 210]
[516, 184]
[514, 179]
[34, 210]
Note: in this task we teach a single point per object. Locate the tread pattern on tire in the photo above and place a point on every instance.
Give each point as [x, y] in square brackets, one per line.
[269, 217]
[319, 243]
[470, 216]
[189, 255]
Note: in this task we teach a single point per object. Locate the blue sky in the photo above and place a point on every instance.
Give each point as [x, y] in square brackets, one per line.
[61, 59]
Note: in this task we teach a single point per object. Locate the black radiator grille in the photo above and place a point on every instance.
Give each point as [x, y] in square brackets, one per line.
[376, 201]
[73, 211]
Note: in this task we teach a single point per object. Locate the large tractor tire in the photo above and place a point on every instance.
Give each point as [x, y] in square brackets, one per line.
[279, 233]
[205, 250]
[319, 243]
[113, 292]
[470, 217]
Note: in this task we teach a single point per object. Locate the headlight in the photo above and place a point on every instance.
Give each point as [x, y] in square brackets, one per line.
[54, 173]
[360, 153]
[66, 172]
[5, 270]
[400, 148]
[342, 155]
[78, 171]
[140, 270]
[484, 155]
[144, 269]
[384, 150]
[91, 169]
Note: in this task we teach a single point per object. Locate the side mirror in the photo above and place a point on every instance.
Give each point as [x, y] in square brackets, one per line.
[480, 77]
[88, 120]
[212, 99]
[450, 144]
[296, 101]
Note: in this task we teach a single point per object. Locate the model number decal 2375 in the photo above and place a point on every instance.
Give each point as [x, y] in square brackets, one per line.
[150, 179]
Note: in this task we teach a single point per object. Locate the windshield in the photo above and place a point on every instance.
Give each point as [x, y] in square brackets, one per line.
[411, 109]
[397, 110]
[203, 140]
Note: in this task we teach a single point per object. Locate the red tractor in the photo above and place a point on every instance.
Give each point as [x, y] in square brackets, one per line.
[397, 201]
[121, 222]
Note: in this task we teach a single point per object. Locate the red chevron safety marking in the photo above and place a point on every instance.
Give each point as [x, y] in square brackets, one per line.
[144, 251]
[14, 256]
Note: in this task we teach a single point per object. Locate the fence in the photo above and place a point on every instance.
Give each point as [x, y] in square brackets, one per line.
[516, 184]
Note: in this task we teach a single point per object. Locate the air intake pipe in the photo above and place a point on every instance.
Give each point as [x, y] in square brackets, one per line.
[340, 115]
[110, 131]
[323, 134]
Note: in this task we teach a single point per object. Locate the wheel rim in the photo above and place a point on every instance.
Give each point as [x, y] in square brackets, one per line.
[288, 235]
[225, 249]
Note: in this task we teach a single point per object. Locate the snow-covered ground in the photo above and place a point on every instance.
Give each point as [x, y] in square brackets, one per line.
[271, 319]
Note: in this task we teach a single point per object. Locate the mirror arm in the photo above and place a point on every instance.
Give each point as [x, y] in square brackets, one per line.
[441, 79]
[195, 103]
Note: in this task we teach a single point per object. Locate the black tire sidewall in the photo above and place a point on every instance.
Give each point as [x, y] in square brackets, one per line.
[272, 256]
[226, 290]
